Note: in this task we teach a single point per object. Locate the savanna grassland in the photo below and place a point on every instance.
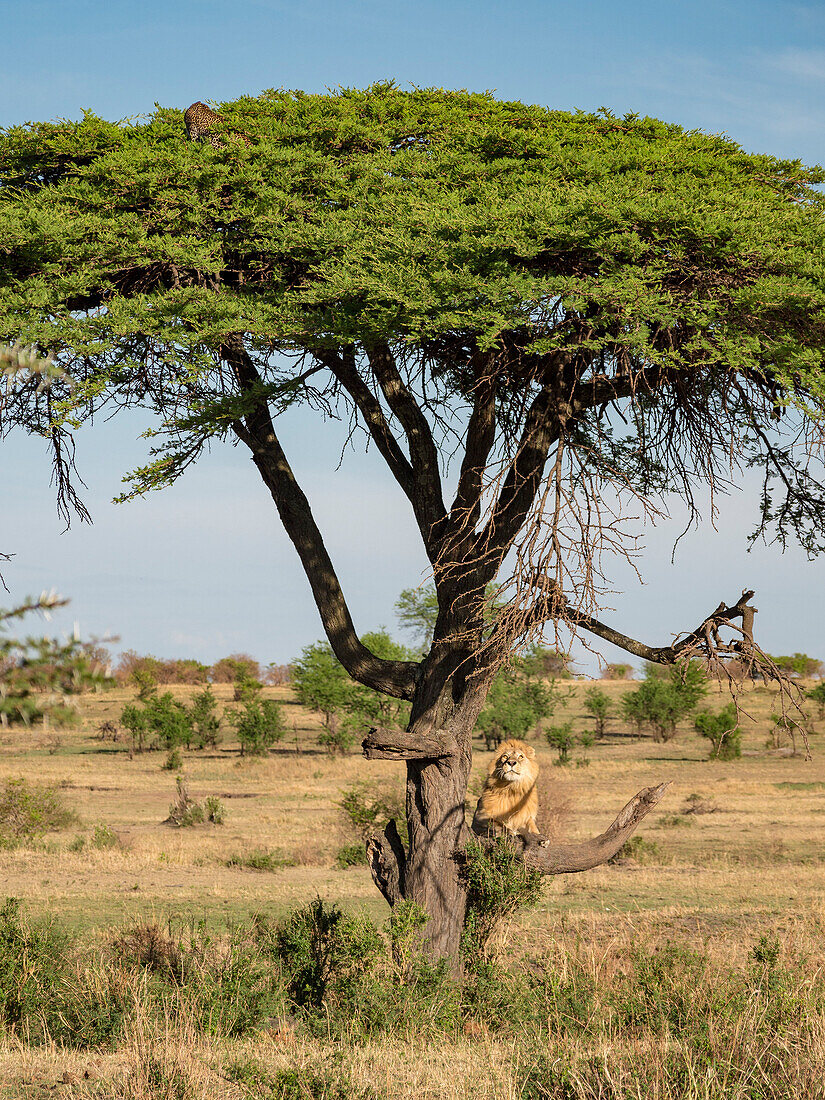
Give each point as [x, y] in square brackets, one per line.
[691, 968]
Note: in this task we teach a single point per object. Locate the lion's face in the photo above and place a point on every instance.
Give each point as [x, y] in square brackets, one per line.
[514, 763]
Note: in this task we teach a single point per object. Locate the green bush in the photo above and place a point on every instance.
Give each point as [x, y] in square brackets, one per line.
[173, 761]
[204, 719]
[666, 696]
[322, 950]
[598, 705]
[817, 694]
[186, 811]
[351, 855]
[722, 730]
[563, 740]
[260, 861]
[259, 725]
[498, 883]
[515, 705]
[28, 811]
[159, 723]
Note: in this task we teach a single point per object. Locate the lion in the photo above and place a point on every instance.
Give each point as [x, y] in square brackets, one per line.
[509, 799]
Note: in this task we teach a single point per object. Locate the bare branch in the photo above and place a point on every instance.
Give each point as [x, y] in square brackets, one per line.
[562, 859]
[381, 744]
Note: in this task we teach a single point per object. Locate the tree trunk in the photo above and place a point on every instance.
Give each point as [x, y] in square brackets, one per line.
[442, 719]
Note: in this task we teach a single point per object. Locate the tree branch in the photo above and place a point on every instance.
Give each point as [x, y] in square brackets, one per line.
[552, 604]
[257, 432]
[541, 430]
[381, 744]
[429, 502]
[481, 435]
[563, 859]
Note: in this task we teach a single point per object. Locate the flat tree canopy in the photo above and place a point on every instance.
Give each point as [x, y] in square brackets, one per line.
[576, 309]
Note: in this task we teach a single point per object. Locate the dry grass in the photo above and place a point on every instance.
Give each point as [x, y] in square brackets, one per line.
[716, 879]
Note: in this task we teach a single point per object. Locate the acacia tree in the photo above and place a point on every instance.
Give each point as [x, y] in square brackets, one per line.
[579, 309]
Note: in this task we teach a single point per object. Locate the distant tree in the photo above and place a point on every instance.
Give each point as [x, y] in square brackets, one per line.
[599, 706]
[799, 665]
[227, 669]
[259, 724]
[348, 708]
[660, 702]
[617, 672]
[818, 696]
[722, 730]
[417, 613]
[516, 704]
[204, 718]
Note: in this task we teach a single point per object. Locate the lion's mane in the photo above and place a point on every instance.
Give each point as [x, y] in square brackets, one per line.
[509, 798]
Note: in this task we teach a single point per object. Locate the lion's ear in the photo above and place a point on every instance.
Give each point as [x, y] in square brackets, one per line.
[530, 751]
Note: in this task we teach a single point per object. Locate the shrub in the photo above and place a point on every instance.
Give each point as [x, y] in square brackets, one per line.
[29, 811]
[598, 705]
[564, 740]
[185, 811]
[637, 849]
[617, 672]
[260, 861]
[722, 730]
[259, 724]
[321, 949]
[204, 719]
[366, 810]
[173, 761]
[817, 694]
[161, 722]
[515, 704]
[664, 698]
[103, 837]
[498, 883]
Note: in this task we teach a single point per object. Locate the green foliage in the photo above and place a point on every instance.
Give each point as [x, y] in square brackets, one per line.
[798, 664]
[321, 949]
[637, 849]
[722, 730]
[203, 716]
[260, 860]
[598, 705]
[27, 811]
[351, 855]
[160, 723]
[348, 709]
[498, 883]
[563, 739]
[367, 809]
[259, 725]
[433, 220]
[517, 702]
[417, 612]
[44, 997]
[664, 698]
[173, 761]
[818, 695]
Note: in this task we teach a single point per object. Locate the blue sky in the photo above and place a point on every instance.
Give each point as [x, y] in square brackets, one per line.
[204, 569]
